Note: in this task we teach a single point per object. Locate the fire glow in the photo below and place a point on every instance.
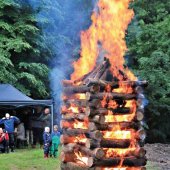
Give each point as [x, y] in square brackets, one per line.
[109, 24]
[106, 36]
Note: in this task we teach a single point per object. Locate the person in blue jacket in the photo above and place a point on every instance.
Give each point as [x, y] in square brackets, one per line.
[9, 122]
[47, 141]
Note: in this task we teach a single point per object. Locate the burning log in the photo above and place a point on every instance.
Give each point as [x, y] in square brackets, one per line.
[110, 126]
[97, 152]
[110, 96]
[71, 157]
[97, 119]
[65, 139]
[127, 161]
[73, 116]
[104, 111]
[107, 143]
[99, 71]
[75, 166]
[96, 73]
[94, 135]
[81, 117]
[116, 84]
[82, 103]
[74, 132]
[127, 168]
[137, 152]
[70, 124]
[80, 89]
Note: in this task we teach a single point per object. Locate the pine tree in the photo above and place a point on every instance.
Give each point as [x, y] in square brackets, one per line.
[23, 51]
[149, 48]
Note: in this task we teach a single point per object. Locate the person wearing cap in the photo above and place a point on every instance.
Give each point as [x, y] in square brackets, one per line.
[9, 122]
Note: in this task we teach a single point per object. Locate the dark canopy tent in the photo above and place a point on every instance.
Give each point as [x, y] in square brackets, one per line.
[10, 96]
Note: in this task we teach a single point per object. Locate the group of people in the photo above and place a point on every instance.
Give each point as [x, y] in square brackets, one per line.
[7, 135]
[51, 142]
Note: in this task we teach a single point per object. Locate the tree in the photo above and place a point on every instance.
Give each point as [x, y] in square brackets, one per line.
[149, 48]
[23, 52]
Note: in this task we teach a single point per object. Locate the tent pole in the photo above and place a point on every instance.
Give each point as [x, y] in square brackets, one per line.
[52, 117]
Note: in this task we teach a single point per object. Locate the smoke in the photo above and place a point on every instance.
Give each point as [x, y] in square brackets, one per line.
[62, 21]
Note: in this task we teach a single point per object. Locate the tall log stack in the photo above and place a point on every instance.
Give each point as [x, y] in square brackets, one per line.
[102, 122]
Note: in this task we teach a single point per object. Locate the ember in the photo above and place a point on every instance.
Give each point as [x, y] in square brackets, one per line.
[102, 103]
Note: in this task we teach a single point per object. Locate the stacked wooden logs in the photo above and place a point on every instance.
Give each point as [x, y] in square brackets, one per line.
[84, 122]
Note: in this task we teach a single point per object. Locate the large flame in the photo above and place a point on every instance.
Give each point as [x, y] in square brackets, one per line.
[105, 38]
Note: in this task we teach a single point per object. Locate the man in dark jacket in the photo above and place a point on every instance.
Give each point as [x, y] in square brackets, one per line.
[9, 122]
[44, 120]
[45, 117]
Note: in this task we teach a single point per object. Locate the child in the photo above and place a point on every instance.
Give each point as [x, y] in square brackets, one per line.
[55, 137]
[4, 141]
[47, 141]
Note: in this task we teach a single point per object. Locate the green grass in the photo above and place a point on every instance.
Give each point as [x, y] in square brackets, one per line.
[32, 159]
[150, 166]
[28, 159]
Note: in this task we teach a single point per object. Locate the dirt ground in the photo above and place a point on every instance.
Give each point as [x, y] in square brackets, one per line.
[158, 156]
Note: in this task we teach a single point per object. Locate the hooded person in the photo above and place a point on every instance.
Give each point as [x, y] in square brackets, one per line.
[9, 122]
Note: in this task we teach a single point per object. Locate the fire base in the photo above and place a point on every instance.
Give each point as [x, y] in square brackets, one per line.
[101, 122]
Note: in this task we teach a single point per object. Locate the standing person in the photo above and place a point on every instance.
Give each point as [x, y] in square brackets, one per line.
[20, 135]
[4, 141]
[45, 121]
[45, 117]
[55, 138]
[9, 122]
[47, 141]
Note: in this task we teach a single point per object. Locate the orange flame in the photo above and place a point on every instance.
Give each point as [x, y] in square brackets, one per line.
[105, 36]
[80, 125]
[118, 134]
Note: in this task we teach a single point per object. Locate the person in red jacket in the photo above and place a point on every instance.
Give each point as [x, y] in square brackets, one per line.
[4, 141]
[8, 122]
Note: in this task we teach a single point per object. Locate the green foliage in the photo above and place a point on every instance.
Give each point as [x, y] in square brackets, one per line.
[149, 48]
[23, 53]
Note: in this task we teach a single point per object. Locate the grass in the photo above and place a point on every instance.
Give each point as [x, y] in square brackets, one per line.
[150, 166]
[32, 159]
[28, 159]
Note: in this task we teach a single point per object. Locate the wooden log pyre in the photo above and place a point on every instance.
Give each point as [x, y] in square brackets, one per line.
[107, 143]
[110, 96]
[65, 139]
[117, 84]
[97, 152]
[104, 111]
[75, 166]
[80, 89]
[82, 103]
[137, 152]
[127, 161]
[71, 157]
[87, 140]
[110, 126]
